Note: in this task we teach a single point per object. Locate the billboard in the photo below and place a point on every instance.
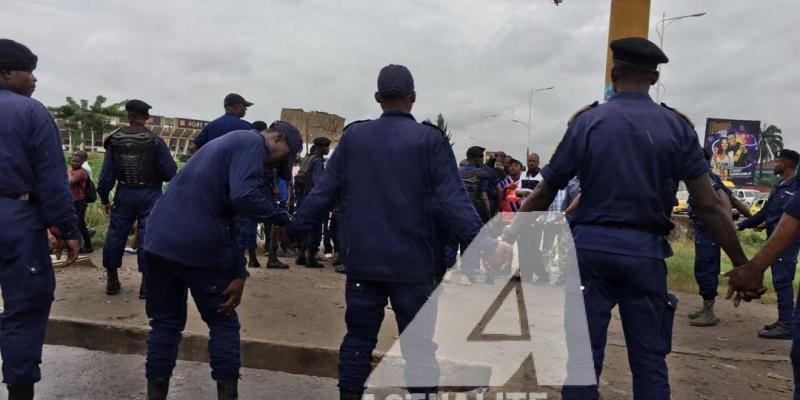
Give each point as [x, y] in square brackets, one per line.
[733, 145]
[191, 123]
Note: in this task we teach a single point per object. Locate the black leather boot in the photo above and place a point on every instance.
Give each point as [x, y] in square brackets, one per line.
[228, 389]
[349, 395]
[112, 282]
[143, 288]
[20, 392]
[157, 389]
[311, 260]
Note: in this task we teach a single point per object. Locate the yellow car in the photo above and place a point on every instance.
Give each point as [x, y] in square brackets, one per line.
[683, 203]
[758, 205]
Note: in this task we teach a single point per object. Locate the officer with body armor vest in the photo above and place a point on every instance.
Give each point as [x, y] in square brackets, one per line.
[137, 162]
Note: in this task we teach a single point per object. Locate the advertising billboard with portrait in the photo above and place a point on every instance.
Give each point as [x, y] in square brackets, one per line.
[733, 145]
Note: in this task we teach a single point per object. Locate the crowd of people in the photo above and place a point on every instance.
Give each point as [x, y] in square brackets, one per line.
[199, 236]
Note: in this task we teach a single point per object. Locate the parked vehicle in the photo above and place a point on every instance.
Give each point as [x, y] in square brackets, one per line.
[747, 196]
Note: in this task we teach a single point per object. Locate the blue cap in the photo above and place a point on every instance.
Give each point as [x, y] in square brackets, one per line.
[395, 82]
[295, 146]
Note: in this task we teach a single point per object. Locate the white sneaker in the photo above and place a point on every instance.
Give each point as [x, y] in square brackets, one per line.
[328, 256]
[130, 250]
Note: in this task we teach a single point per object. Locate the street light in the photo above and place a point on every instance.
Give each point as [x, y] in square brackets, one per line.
[664, 23]
[530, 115]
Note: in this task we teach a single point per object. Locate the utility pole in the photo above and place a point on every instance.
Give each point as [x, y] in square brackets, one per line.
[628, 18]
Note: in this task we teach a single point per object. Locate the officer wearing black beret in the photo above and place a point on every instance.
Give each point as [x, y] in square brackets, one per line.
[137, 162]
[33, 197]
[783, 269]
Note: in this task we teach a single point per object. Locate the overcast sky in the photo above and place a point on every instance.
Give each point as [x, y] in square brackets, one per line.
[469, 58]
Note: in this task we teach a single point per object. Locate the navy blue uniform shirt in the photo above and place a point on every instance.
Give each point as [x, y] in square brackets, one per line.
[792, 206]
[220, 126]
[773, 209]
[32, 163]
[630, 153]
[399, 186]
[194, 223]
[491, 184]
[108, 177]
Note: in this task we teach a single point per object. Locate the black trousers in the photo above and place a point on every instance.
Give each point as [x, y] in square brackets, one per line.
[80, 209]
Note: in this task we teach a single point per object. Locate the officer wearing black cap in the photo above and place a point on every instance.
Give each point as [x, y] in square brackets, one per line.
[630, 154]
[235, 109]
[783, 269]
[309, 174]
[192, 245]
[137, 162]
[388, 225]
[33, 196]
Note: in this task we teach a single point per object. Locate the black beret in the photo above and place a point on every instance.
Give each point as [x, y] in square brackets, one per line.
[233, 99]
[475, 152]
[260, 125]
[322, 142]
[138, 107]
[637, 53]
[16, 56]
[789, 155]
[395, 82]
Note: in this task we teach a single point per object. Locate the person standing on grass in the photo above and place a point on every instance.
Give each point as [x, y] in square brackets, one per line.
[78, 185]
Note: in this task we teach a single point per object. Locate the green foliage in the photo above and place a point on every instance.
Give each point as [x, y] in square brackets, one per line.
[770, 142]
[83, 119]
[442, 124]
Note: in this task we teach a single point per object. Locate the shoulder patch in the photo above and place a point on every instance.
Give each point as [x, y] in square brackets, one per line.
[682, 115]
[355, 122]
[581, 111]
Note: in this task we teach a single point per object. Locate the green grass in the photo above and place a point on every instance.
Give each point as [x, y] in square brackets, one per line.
[681, 265]
[94, 214]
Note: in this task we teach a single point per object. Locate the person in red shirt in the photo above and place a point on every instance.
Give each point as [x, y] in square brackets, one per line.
[78, 182]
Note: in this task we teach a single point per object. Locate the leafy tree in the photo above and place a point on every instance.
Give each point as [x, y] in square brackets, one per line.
[83, 119]
[770, 142]
[442, 124]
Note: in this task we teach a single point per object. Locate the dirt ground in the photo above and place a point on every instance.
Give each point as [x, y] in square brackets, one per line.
[306, 306]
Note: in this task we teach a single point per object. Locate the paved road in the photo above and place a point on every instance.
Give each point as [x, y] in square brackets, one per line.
[72, 373]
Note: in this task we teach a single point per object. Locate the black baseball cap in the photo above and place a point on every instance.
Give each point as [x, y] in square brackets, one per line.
[295, 146]
[395, 82]
[475, 152]
[233, 99]
[789, 155]
[259, 125]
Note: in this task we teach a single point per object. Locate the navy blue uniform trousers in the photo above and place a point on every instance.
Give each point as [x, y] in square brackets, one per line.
[27, 281]
[167, 287]
[366, 301]
[130, 205]
[706, 263]
[783, 270]
[638, 285]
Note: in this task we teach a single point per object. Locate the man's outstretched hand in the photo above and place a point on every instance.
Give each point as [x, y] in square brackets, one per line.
[73, 248]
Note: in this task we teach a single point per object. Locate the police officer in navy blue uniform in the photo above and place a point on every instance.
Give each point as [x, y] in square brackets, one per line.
[235, 109]
[309, 174]
[33, 196]
[707, 253]
[387, 224]
[784, 268]
[630, 154]
[749, 279]
[138, 162]
[192, 245]
[248, 227]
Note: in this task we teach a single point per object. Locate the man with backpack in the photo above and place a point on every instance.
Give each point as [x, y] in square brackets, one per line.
[309, 175]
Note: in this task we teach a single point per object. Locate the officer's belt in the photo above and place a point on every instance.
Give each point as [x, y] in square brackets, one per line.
[17, 197]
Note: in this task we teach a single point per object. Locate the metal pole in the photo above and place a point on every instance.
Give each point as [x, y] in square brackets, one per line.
[530, 114]
[628, 18]
[661, 46]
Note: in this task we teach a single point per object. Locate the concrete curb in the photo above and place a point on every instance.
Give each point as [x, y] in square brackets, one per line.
[125, 339]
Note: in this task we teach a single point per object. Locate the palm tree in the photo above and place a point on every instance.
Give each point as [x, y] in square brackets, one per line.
[442, 124]
[770, 142]
[84, 120]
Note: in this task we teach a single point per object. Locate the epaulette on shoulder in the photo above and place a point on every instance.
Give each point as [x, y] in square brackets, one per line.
[679, 113]
[581, 111]
[354, 123]
[431, 125]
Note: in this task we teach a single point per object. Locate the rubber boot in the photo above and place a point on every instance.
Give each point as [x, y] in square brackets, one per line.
[143, 288]
[349, 395]
[311, 261]
[228, 389]
[157, 389]
[20, 392]
[112, 282]
[696, 313]
[706, 316]
[274, 263]
[253, 263]
[782, 331]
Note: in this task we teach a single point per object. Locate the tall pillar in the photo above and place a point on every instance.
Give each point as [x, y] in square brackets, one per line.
[628, 18]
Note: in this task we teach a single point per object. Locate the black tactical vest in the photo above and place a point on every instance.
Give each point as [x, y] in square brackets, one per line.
[135, 152]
